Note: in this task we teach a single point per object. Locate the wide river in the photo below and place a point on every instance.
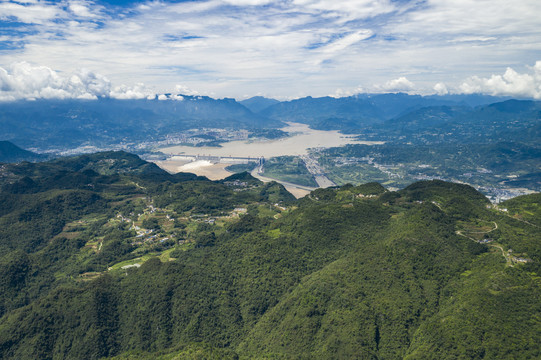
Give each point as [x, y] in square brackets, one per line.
[300, 140]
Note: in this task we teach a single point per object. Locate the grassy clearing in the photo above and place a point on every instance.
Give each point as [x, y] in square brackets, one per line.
[139, 260]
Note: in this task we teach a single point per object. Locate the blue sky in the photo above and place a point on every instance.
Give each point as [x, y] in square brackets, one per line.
[282, 49]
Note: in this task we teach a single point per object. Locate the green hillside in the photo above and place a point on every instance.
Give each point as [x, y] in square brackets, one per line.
[123, 261]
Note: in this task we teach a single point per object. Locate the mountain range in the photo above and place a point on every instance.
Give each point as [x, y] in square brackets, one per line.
[72, 123]
[107, 256]
[67, 124]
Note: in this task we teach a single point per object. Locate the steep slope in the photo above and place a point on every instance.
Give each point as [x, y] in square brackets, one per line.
[60, 219]
[355, 271]
[10, 152]
[368, 302]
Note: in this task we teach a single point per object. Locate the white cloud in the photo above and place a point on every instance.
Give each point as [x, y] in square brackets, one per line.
[29, 13]
[25, 81]
[184, 90]
[138, 91]
[348, 8]
[441, 89]
[176, 97]
[283, 48]
[511, 83]
[473, 39]
[399, 84]
[80, 9]
[339, 93]
[347, 41]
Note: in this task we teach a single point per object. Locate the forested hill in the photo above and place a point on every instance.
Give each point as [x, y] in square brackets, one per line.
[10, 152]
[105, 256]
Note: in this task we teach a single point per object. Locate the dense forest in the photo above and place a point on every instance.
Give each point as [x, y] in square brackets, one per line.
[108, 256]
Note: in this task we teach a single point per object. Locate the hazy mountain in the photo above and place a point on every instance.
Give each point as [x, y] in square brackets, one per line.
[258, 103]
[510, 120]
[472, 100]
[72, 123]
[326, 112]
[10, 152]
[426, 117]
[354, 113]
[50, 124]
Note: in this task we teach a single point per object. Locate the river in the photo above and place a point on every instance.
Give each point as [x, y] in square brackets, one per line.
[300, 140]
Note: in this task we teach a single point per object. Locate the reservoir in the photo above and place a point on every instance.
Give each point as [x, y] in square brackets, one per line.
[301, 138]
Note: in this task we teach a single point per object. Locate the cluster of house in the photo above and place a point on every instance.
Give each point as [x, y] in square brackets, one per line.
[521, 259]
[366, 196]
[236, 183]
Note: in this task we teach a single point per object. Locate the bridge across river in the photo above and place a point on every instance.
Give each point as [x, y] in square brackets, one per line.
[258, 169]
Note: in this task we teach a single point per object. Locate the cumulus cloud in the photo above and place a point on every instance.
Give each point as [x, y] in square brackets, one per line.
[182, 89]
[441, 89]
[176, 97]
[339, 93]
[400, 84]
[511, 83]
[139, 91]
[25, 81]
[80, 9]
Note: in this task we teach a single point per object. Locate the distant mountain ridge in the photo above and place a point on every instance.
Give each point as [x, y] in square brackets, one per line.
[353, 114]
[258, 103]
[53, 124]
[509, 120]
[73, 123]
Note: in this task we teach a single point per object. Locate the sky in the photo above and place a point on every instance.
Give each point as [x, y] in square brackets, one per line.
[283, 49]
